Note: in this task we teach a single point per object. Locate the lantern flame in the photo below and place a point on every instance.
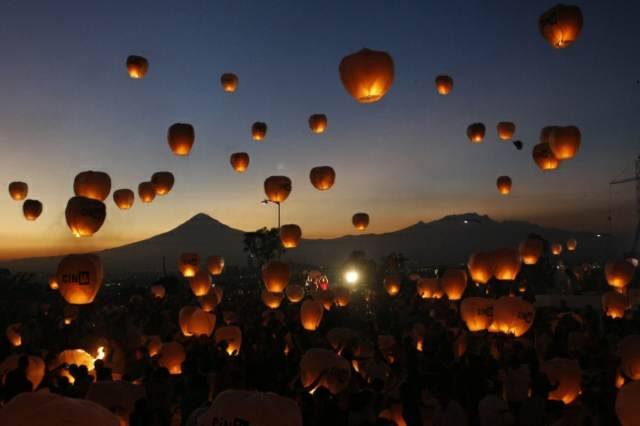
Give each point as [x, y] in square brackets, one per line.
[101, 353]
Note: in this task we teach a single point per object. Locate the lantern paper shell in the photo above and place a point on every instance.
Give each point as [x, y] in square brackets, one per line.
[53, 283]
[13, 334]
[506, 130]
[229, 82]
[30, 408]
[209, 301]
[295, 293]
[325, 297]
[275, 275]
[35, 369]
[453, 283]
[614, 304]
[146, 192]
[181, 137]
[531, 250]
[618, 273]
[367, 75]
[311, 313]
[556, 249]
[290, 235]
[158, 291]
[506, 264]
[215, 265]
[629, 352]
[18, 190]
[504, 185]
[85, 216]
[360, 221]
[80, 277]
[392, 284]
[342, 337]
[240, 407]
[232, 335]
[444, 84]
[200, 283]
[73, 356]
[172, 356]
[477, 313]
[322, 177]
[162, 182]
[627, 407]
[31, 209]
[189, 264]
[271, 300]
[183, 319]
[480, 267]
[258, 131]
[137, 66]
[201, 323]
[325, 369]
[239, 161]
[565, 142]
[572, 244]
[567, 374]
[561, 25]
[429, 288]
[277, 188]
[512, 316]
[476, 132]
[544, 157]
[219, 291]
[94, 185]
[318, 123]
[342, 296]
[124, 198]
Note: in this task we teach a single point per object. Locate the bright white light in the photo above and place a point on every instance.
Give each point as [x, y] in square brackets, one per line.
[351, 277]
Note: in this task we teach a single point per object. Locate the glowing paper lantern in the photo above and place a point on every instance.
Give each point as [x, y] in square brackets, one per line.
[392, 284]
[35, 368]
[506, 130]
[290, 235]
[209, 301]
[572, 244]
[295, 293]
[325, 297]
[239, 407]
[556, 249]
[565, 142]
[158, 291]
[275, 275]
[53, 283]
[429, 288]
[477, 313]
[80, 277]
[504, 185]
[476, 132]
[162, 182]
[561, 25]
[258, 131]
[94, 185]
[342, 296]
[201, 323]
[531, 250]
[614, 304]
[14, 335]
[229, 82]
[567, 374]
[311, 313]
[232, 335]
[629, 352]
[181, 137]
[85, 216]
[324, 368]
[189, 264]
[271, 300]
[367, 75]
[137, 66]
[322, 177]
[480, 267]
[360, 221]
[277, 188]
[172, 356]
[444, 84]
[215, 265]
[184, 316]
[146, 192]
[544, 157]
[618, 273]
[627, 407]
[239, 161]
[318, 123]
[453, 282]
[124, 198]
[200, 283]
[31, 209]
[18, 190]
[512, 316]
[505, 264]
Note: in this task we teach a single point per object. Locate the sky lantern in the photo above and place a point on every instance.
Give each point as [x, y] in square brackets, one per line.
[184, 315]
[561, 25]
[295, 293]
[322, 177]
[627, 407]
[189, 264]
[556, 249]
[229, 82]
[162, 182]
[453, 282]
[360, 221]
[325, 297]
[477, 313]
[85, 216]
[271, 300]
[618, 273]
[158, 291]
[290, 235]
[239, 161]
[275, 275]
[53, 283]
[506, 264]
[480, 267]
[318, 123]
[14, 335]
[181, 137]
[124, 198]
[429, 288]
[367, 75]
[476, 132]
[18, 190]
[232, 336]
[35, 369]
[277, 188]
[504, 185]
[324, 368]
[564, 142]
[79, 277]
[200, 283]
[219, 291]
[258, 131]
[629, 352]
[392, 284]
[544, 158]
[137, 66]
[311, 313]
[614, 304]
[571, 244]
[146, 192]
[31, 209]
[444, 84]
[342, 296]
[94, 185]
[512, 315]
[506, 130]
[201, 323]
[567, 374]
[209, 301]
[215, 265]
[172, 355]
[252, 408]
[530, 250]
[70, 314]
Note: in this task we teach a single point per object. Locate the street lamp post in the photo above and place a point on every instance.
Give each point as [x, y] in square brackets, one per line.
[266, 201]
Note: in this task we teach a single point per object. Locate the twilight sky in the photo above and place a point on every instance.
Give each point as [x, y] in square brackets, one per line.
[68, 106]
